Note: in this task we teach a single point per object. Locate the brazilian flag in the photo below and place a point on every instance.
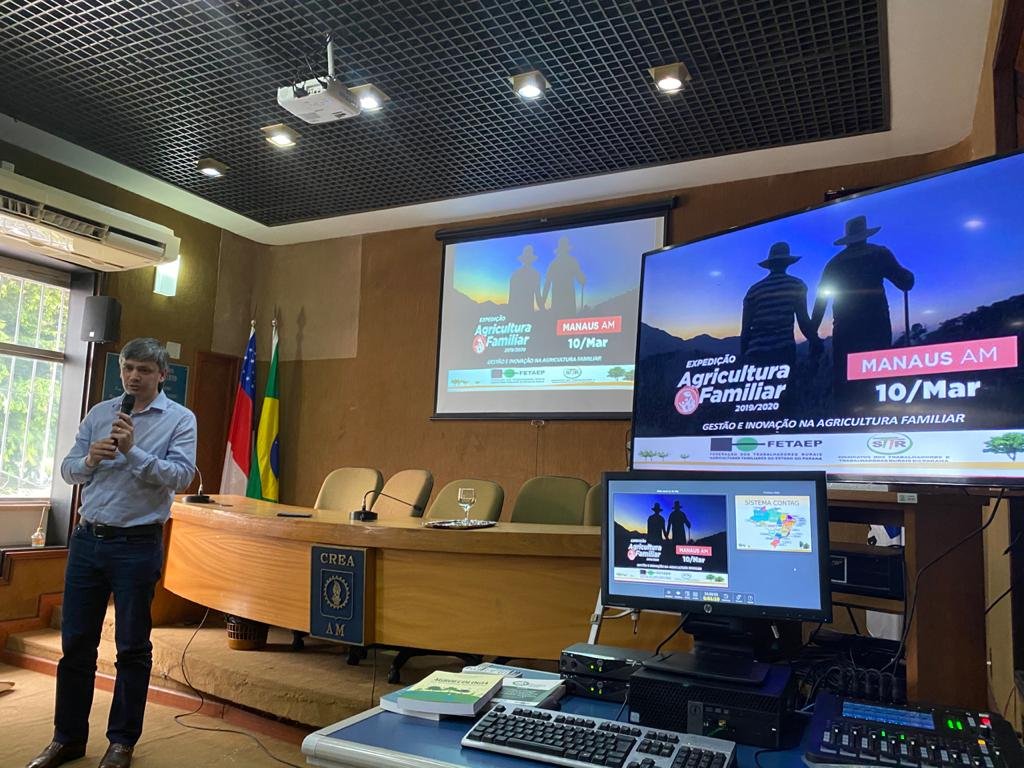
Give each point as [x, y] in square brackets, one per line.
[266, 466]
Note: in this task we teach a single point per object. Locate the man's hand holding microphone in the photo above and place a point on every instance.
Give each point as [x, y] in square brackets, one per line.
[122, 435]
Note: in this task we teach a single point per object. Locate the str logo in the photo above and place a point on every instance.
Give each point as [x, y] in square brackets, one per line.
[889, 445]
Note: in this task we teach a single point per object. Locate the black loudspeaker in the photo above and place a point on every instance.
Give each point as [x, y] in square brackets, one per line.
[102, 319]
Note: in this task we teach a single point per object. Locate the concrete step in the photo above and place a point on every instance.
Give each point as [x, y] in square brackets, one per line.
[314, 687]
[45, 644]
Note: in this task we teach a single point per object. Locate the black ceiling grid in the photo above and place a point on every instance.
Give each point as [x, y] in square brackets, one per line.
[157, 84]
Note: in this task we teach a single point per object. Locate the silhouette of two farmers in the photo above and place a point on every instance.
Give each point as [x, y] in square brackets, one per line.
[524, 285]
[853, 280]
[655, 525]
[768, 310]
[560, 282]
[678, 529]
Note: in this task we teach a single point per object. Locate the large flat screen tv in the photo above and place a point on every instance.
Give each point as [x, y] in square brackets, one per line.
[877, 337]
[539, 320]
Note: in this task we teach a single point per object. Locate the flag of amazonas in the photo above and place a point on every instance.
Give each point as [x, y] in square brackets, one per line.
[263, 484]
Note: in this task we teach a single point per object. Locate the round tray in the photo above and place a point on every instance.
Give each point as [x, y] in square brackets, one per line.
[459, 524]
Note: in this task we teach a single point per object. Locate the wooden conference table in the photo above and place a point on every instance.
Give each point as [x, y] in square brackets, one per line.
[519, 590]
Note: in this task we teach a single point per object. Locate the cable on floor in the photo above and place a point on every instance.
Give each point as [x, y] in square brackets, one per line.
[202, 701]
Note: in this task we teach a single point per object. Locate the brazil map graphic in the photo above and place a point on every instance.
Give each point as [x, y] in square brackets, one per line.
[773, 523]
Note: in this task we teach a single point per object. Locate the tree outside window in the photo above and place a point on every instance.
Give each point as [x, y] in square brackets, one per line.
[33, 326]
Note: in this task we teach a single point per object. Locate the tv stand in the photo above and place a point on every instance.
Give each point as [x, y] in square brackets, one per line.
[724, 649]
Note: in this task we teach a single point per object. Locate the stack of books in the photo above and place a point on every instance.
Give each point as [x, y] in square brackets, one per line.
[469, 692]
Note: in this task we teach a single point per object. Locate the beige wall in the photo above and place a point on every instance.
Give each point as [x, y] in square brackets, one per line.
[983, 135]
[233, 306]
[312, 288]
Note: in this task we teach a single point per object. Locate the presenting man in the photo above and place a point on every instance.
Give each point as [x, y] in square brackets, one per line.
[129, 467]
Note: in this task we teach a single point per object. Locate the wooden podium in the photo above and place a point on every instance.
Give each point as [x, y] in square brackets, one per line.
[518, 590]
[528, 591]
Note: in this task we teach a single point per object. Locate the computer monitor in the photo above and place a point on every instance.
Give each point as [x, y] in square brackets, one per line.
[744, 544]
[720, 548]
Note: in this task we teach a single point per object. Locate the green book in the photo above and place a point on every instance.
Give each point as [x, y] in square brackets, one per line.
[450, 693]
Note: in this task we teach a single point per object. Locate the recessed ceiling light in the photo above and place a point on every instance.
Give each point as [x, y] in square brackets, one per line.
[280, 135]
[670, 78]
[212, 168]
[529, 85]
[370, 97]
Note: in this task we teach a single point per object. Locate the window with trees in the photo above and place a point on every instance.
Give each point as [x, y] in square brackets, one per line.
[33, 326]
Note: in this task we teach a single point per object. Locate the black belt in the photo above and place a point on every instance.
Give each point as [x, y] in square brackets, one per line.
[101, 531]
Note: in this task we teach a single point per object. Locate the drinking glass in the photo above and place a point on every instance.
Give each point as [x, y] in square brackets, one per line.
[466, 499]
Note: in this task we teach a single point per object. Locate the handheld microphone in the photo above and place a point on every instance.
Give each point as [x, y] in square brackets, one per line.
[365, 515]
[199, 498]
[127, 404]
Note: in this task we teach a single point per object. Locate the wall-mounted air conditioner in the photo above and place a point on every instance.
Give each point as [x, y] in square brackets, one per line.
[71, 228]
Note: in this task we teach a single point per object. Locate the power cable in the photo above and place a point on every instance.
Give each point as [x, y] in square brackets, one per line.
[373, 679]
[995, 602]
[909, 618]
[853, 619]
[202, 701]
[657, 650]
[625, 701]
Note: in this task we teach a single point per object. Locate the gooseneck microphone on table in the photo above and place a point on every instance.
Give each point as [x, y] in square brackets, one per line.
[199, 498]
[365, 515]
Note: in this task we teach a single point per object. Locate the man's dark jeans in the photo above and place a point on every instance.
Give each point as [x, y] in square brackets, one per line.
[127, 565]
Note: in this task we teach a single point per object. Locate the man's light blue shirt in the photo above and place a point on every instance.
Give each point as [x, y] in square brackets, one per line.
[137, 488]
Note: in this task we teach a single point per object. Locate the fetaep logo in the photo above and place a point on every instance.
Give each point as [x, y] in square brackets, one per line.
[727, 444]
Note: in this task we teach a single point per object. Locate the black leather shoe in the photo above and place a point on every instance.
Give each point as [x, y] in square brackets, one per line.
[117, 756]
[57, 754]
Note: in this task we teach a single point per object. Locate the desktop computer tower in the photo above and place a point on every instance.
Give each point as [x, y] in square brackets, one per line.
[747, 714]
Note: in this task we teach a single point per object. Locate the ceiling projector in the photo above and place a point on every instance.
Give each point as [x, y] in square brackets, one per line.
[318, 100]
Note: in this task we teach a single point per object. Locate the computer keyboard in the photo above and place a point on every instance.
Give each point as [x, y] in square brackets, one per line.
[583, 742]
